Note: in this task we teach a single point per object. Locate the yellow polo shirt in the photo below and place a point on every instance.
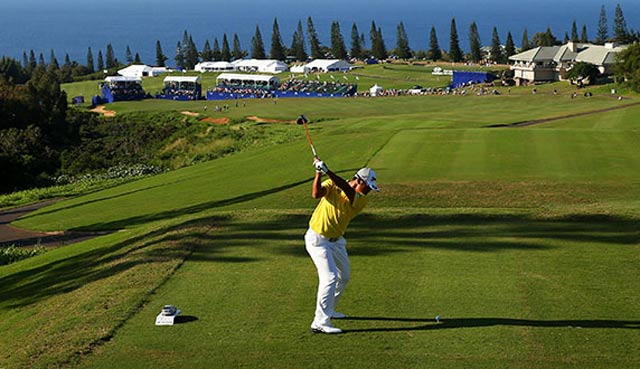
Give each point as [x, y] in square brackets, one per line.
[334, 211]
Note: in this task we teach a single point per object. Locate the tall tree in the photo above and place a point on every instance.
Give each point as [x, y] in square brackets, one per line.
[584, 38]
[216, 55]
[179, 56]
[32, 61]
[206, 53]
[237, 52]
[628, 66]
[603, 33]
[90, 64]
[525, 45]
[277, 48]
[474, 43]
[496, 47]
[110, 58]
[25, 60]
[297, 44]
[566, 38]
[574, 32]
[160, 57]
[136, 59]
[41, 62]
[435, 53]
[191, 54]
[225, 53]
[314, 42]
[338, 48]
[544, 38]
[100, 61]
[455, 52]
[257, 46]
[53, 61]
[378, 49]
[128, 55]
[509, 47]
[402, 43]
[356, 46]
[620, 31]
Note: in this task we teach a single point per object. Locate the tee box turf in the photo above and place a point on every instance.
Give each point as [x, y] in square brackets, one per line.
[168, 315]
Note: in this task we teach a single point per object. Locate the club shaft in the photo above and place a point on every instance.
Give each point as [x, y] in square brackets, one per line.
[313, 149]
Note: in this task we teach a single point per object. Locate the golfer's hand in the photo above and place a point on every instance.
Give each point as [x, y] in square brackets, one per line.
[320, 166]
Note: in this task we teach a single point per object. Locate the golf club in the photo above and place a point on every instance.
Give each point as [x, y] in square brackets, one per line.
[303, 120]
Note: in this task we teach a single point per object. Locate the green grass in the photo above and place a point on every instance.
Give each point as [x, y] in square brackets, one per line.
[524, 240]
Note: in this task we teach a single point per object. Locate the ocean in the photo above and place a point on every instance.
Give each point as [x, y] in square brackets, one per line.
[72, 26]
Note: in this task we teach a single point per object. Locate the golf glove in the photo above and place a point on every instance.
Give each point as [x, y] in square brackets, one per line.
[320, 166]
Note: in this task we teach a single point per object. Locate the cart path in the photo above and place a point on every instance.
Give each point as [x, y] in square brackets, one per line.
[568, 116]
[25, 238]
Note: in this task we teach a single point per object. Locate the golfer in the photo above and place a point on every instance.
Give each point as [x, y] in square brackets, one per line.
[340, 201]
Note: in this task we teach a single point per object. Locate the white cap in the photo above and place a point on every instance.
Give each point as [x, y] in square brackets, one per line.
[369, 177]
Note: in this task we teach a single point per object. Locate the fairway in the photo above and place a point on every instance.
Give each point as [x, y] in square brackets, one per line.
[523, 240]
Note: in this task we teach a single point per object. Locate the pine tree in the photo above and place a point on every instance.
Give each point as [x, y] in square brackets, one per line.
[574, 32]
[584, 38]
[136, 59]
[356, 47]
[100, 61]
[160, 57]
[620, 32]
[179, 56]
[90, 64]
[216, 55]
[191, 55]
[225, 54]
[53, 62]
[25, 60]
[257, 46]
[128, 55]
[603, 33]
[338, 48]
[205, 54]
[314, 42]
[566, 38]
[435, 53]
[110, 59]
[67, 60]
[496, 48]
[403, 51]
[297, 44]
[373, 38]
[509, 47]
[525, 45]
[277, 49]
[41, 62]
[474, 43]
[237, 53]
[455, 53]
[32, 61]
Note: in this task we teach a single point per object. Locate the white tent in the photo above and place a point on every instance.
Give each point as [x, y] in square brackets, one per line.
[260, 65]
[137, 70]
[249, 80]
[375, 90]
[327, 65]
[116, 79]
[193, 79]
[214, 66]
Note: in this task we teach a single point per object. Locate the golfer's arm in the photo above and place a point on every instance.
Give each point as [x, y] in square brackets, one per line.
[343, 185]
[317, 191]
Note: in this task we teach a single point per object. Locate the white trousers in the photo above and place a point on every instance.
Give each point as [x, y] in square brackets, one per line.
[332, 262]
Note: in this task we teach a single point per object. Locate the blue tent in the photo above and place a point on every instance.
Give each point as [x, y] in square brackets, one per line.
[464, 78]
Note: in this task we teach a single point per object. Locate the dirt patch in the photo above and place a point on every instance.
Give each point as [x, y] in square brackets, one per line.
[10, 235]
[100, 109]
[190, 113]
[265, 120]
[215, 120]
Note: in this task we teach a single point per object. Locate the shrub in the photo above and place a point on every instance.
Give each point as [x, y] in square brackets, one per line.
[11, 254]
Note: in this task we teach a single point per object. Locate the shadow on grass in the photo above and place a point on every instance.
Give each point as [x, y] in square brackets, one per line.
[459, 323]
[181, 319]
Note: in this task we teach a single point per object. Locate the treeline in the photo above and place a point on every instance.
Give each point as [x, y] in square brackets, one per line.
[306, 44]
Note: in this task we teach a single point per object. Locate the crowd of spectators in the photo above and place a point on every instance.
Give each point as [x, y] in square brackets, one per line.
[126, 91]
[324, 87]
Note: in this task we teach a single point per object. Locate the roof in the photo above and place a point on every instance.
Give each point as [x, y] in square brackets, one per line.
[212, 64]
[594, 54]
[326, 63]
[194, 79]
[247, 77]
[122, 79]
[257, 62]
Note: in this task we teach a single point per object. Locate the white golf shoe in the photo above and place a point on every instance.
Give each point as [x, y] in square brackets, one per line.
[325, 328]
[338, 315]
